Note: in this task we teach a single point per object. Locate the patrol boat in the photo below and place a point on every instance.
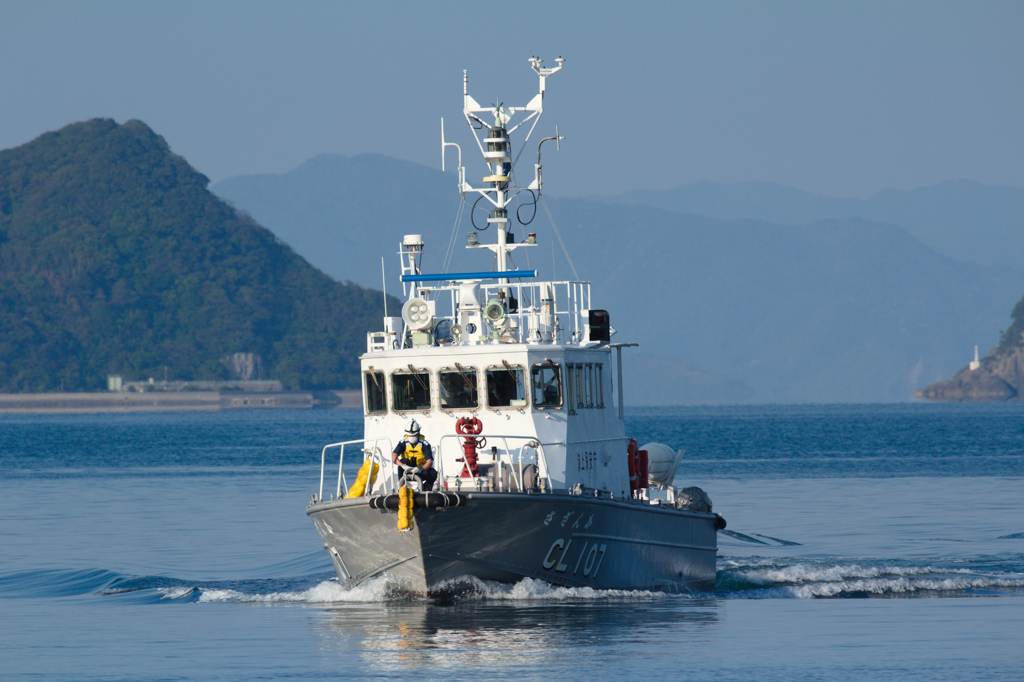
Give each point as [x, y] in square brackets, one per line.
[510, 379]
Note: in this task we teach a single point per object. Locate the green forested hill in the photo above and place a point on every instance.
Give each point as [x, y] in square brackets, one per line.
[115, 259]
[1013, 337]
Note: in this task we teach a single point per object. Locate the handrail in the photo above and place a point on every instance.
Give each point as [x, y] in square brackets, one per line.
[367, 454]
[570, 298]
[532, 443]
[592, 440]
[509, 455]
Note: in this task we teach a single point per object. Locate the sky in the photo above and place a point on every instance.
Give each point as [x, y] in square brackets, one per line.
[836, 98]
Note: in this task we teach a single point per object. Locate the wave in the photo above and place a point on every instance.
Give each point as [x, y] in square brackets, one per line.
[461, 590]
[327, 591]
[320, 589]
[55, 583]
[770, 580]
[528, 589]
[839, 578]
[746, 578]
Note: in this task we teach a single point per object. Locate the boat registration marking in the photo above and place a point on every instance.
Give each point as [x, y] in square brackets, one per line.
[559, 551]
[568, 515]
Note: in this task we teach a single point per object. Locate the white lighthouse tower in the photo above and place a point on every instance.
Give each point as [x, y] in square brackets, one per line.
[975, 364]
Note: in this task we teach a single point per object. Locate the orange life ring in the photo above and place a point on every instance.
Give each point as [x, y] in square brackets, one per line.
[634, 466]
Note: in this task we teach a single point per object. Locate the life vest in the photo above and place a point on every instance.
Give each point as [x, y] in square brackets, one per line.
[414, 453]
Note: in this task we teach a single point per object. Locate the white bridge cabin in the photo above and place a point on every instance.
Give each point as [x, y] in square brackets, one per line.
[529, 360]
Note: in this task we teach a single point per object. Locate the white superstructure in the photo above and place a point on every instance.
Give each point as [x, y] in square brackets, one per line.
[530, 359]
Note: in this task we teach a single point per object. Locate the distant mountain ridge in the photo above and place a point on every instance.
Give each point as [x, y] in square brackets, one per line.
[838, 310]
[961, 219]
[116, 259]
[342, 214]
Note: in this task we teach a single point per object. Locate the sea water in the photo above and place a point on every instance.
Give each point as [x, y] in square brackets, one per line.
[865, 541]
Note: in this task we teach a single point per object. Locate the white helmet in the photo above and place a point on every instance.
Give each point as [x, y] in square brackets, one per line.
[414, 428]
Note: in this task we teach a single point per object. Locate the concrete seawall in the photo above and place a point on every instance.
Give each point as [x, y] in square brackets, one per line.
[173, 401]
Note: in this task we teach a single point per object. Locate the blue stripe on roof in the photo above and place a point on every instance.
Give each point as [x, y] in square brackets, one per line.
[450, 276]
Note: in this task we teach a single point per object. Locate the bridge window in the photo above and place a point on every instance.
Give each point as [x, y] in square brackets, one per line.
[505, 386]
[546, 379]
[375, 392]
[410, 391]
[458, 388]
[570, 388]
[579, 386]
[584, 386]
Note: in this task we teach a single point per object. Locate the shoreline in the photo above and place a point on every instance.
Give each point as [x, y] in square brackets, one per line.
[174, 401]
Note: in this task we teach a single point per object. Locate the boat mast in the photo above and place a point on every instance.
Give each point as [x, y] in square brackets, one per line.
[493, 140]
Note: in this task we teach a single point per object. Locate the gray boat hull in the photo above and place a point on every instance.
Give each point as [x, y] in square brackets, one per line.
[562, 539]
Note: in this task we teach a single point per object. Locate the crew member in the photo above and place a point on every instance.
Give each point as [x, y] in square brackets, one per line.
[415, 453]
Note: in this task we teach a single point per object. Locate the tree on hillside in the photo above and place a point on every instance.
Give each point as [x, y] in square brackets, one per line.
[1014, 336]
[116, 259]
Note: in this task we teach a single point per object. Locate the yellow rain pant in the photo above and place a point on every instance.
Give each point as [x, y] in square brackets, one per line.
[359, 487]
[405, 508]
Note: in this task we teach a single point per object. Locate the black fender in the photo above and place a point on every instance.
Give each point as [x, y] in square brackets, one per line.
[430, 500]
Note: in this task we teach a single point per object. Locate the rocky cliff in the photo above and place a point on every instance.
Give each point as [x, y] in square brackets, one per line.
[998, 378]
[999, 375]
